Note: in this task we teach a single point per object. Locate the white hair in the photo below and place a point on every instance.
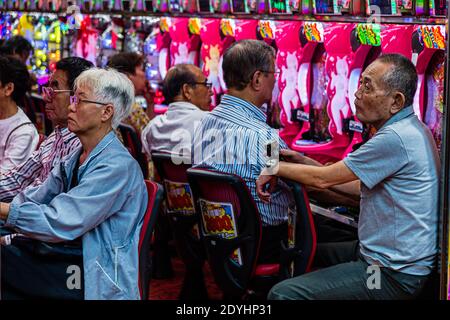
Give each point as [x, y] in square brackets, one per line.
[109, 86]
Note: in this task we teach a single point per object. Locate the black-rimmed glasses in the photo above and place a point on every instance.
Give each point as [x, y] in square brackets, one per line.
[205, 83]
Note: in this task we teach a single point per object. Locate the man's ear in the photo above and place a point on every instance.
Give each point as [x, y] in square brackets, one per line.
[398, 102]
[9, 89]
[107, 113]
[256, 80]
[186, 91]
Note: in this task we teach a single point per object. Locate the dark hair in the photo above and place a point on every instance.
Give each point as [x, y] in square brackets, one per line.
[12, 70]
[176, 77]
[126, 62]
[401, 77]
[73, 66]
[16, 45]
[242, 59]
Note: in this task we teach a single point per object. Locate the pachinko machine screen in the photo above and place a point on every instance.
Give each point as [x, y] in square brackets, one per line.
[383, 7]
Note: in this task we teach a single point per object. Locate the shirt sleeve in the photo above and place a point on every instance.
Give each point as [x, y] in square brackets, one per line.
[22, 143]
[15, 180]
[379, 158]
[48, 214]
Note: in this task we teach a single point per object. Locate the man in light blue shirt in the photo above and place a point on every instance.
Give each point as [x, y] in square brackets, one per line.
[94, 201]
[234, 137]
[397, 172]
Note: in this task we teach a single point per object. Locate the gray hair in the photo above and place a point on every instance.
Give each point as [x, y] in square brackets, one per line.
[109, 86]
[401, 77]
[242, 59]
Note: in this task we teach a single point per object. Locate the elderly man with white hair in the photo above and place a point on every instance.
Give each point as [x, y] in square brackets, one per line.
[84, 221]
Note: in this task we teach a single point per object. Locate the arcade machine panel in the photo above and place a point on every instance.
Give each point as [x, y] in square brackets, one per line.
[311, 113]
[204, 6]
[240, 6]
[279, 7]
[438, 8]
[86, 39]
[138, 28]
[288, 62]
[435, 78]
[185, 46]
[111, 41]
[426, 40]
[266, 31]
[382, 7]
[211, 51]
[366, 47]
[189, 6]
[156, 50]
[337, 7]
[412, 7]
[337, 42]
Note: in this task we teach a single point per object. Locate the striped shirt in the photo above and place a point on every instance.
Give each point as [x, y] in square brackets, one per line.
[60, 143]
[233, 138]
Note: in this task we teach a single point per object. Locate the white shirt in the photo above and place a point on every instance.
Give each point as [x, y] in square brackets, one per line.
[16, 146]
[173, 131]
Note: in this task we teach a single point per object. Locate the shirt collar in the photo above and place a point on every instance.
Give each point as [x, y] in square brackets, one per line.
[402, 114]
[183, 105]
[249, 108]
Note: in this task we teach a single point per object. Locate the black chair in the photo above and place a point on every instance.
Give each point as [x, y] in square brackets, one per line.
[231, 227]
[132, 142]
[184, 221]
[155, 197]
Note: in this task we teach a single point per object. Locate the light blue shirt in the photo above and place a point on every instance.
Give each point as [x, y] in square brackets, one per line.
[399, 173]
[233, 139]
[106, 209]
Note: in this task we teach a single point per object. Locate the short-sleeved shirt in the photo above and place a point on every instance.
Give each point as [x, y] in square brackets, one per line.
[399, 173]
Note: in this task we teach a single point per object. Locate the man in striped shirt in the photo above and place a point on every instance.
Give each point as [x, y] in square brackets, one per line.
[60, 142]
[234, 137]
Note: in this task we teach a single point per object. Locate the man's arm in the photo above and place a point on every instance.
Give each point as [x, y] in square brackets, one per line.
[4, 211]
[348, 190]
[318, 177]
[17, 179]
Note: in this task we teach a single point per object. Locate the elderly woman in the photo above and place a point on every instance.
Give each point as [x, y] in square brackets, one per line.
[94, 201]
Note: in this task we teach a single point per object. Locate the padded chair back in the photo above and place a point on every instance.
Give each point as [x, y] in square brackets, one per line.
[155, 196]
[298, 254]
[230, 225]
[180, 207]
[133, 143]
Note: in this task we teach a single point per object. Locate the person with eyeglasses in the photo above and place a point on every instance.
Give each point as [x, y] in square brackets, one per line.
[18, 136]
[233, 138]
[93, 203]
[188, 93]
[60, 143]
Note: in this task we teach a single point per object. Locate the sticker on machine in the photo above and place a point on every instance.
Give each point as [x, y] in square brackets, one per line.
[179, 197]
[219, 220]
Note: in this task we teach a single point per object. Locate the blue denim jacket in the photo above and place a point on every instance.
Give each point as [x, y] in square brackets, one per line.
[106, 209]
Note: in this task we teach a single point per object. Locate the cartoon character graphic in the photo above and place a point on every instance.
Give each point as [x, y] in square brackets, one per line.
[289, 97]
[212, 66]
[339, 83]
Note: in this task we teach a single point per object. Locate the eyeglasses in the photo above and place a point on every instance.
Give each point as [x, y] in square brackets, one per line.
[205, 83]
[49, 92]
[76, 101]
[274, 72]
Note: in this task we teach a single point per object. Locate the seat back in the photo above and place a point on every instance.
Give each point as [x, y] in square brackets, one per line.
[298, 254]
[133, 143]
[180, 207]
[230, 226]
[155, 196]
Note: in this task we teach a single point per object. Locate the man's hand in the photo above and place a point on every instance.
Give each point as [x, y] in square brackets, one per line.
[296, 157]
[4, 210]
[262, 190]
